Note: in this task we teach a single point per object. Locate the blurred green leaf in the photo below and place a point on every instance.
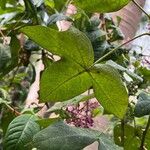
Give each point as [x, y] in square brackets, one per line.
[131, 141]
[145, 72]
[142, 107]
[5, 57]
[64, 137]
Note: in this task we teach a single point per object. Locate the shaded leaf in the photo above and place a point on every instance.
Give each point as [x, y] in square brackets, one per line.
[20, 132]
[142, 107]
[5, 57]
[7, 117]
[131, 141]
[105, 143]
[64, 137]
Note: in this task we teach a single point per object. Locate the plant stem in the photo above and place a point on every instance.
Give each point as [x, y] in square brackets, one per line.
[13, 110]
[113, 50]
[138, 5]
[144, 134]
[122, 132]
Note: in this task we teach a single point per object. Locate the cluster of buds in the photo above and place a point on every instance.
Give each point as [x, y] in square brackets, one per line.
[81, 115]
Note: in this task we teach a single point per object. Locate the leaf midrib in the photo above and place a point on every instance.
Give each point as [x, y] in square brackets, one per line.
[26, 125]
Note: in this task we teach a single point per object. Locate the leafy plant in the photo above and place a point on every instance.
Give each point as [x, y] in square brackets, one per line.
[89, 60]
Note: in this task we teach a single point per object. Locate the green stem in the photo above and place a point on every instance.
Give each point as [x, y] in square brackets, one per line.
[138, 5]
[115, 49]
[144, 134]
[13, 110]
[122, 132]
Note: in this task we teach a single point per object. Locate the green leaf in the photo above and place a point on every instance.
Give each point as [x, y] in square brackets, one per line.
[50, 3]
[7, 117]
[3, 4]
[71, 44]
[20, 132]
[145, 72]
[63, 80]
[142, 107]
[66, 78]
[11, 52]
[61, 136]
[105, 143]
[109, 89]
[59, 4]
[131, 141]
[5, 57]
[101, 5]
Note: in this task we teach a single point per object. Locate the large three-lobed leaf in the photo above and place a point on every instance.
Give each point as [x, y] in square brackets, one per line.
[73, 74]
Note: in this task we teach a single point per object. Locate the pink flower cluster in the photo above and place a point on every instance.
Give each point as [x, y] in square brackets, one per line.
[81, 114]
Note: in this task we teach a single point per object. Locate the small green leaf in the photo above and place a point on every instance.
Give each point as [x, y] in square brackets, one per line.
[6, 118]
[131, 141]
[50, 3]
[101, 5]
[61, 136]
[20, 132]
[142, 107]
[145, 72]
[5, 57]
[109, 89]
